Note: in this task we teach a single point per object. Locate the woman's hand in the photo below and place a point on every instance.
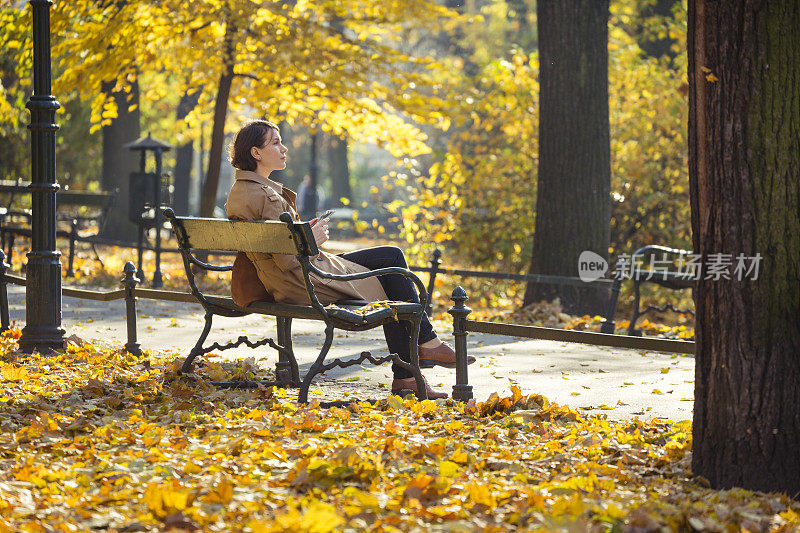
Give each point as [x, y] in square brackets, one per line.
[320, 231]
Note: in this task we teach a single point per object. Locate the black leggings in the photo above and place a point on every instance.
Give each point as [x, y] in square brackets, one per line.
[397, 288]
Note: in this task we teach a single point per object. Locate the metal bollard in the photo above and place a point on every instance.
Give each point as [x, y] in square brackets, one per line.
[5, 320]
[462, 390]
[130, 280]
[435, 262]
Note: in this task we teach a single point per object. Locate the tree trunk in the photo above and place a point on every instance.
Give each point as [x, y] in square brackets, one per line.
[573, 208]
[340, 171]
[183, 158]
[119, 162]
[209, 197]
[744, 175]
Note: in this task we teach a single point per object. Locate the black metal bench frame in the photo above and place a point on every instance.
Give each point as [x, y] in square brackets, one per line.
[669, 279]
[343, 315]
[98, 200]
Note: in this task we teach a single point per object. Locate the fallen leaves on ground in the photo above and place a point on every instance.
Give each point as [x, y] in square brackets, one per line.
[98, 439]
[551, 315]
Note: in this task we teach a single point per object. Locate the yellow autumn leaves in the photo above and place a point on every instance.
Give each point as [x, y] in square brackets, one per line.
[324, 63]
[13, 373]
[167, 498]
[102, 438]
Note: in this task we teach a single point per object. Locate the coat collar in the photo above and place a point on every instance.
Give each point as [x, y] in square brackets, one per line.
[247, 175]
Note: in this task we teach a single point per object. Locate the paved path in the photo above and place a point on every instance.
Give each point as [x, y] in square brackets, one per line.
[619, 383]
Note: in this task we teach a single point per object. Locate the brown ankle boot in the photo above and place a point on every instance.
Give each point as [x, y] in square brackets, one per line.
[410, 384]
[442, 355]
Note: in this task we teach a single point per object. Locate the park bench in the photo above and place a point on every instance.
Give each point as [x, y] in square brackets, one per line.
[203, 236]
[81, 216]
[664, 272]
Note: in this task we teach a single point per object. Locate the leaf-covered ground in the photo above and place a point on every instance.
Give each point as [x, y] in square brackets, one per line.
[96, 439]
[550, 314]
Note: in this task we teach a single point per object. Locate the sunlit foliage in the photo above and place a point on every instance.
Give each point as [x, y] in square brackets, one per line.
[332, 63]
[479, 196]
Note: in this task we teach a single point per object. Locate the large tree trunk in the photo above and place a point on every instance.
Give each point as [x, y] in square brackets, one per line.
[209, 197]
[183, 158]
[744, 174]
[573, 208]
[119, 162]
[340, 171]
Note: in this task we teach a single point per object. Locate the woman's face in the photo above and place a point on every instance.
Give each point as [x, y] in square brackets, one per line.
[271, 156]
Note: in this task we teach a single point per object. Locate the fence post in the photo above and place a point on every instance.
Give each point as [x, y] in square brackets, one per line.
[5, 320]
[435, 262]
[609, 326]
[130, 280]
[462, 390]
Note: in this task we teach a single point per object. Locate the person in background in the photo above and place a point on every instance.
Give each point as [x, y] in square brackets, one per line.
[309, 199]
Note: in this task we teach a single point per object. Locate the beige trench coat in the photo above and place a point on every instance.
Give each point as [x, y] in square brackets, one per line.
[254, 197]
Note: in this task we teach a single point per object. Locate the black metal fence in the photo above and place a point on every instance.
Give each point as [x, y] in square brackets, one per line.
[459, 312]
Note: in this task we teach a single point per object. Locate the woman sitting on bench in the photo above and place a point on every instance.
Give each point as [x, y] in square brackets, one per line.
[257, 151]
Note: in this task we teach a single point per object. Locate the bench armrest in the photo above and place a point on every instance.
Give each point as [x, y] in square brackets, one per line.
[424, 296]
[668, 278]
[658, 248]
[24, 213]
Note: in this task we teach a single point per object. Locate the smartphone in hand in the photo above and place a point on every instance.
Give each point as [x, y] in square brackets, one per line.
[327, 214]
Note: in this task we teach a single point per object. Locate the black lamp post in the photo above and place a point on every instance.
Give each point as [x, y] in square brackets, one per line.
[146, 194]
[43, 331]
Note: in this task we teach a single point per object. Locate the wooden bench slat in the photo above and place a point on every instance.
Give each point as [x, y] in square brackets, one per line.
[268, 236]
[97, 199]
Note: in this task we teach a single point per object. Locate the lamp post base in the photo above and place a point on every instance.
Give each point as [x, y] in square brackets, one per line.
[43, 332]
[42, 339]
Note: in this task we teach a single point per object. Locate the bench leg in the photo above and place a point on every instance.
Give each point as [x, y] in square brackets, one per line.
[198, 348]
[422, 390]
[71, 260]
[632, 331]
[10, 253]
[97, 255]
[140, 253]
[413, 366]
[302, 396]
[5, 321]
[608, 326]
[286, 371]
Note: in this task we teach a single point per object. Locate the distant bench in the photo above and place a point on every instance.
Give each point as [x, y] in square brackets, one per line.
[290, 238]
[667, 276]
[81, 216]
